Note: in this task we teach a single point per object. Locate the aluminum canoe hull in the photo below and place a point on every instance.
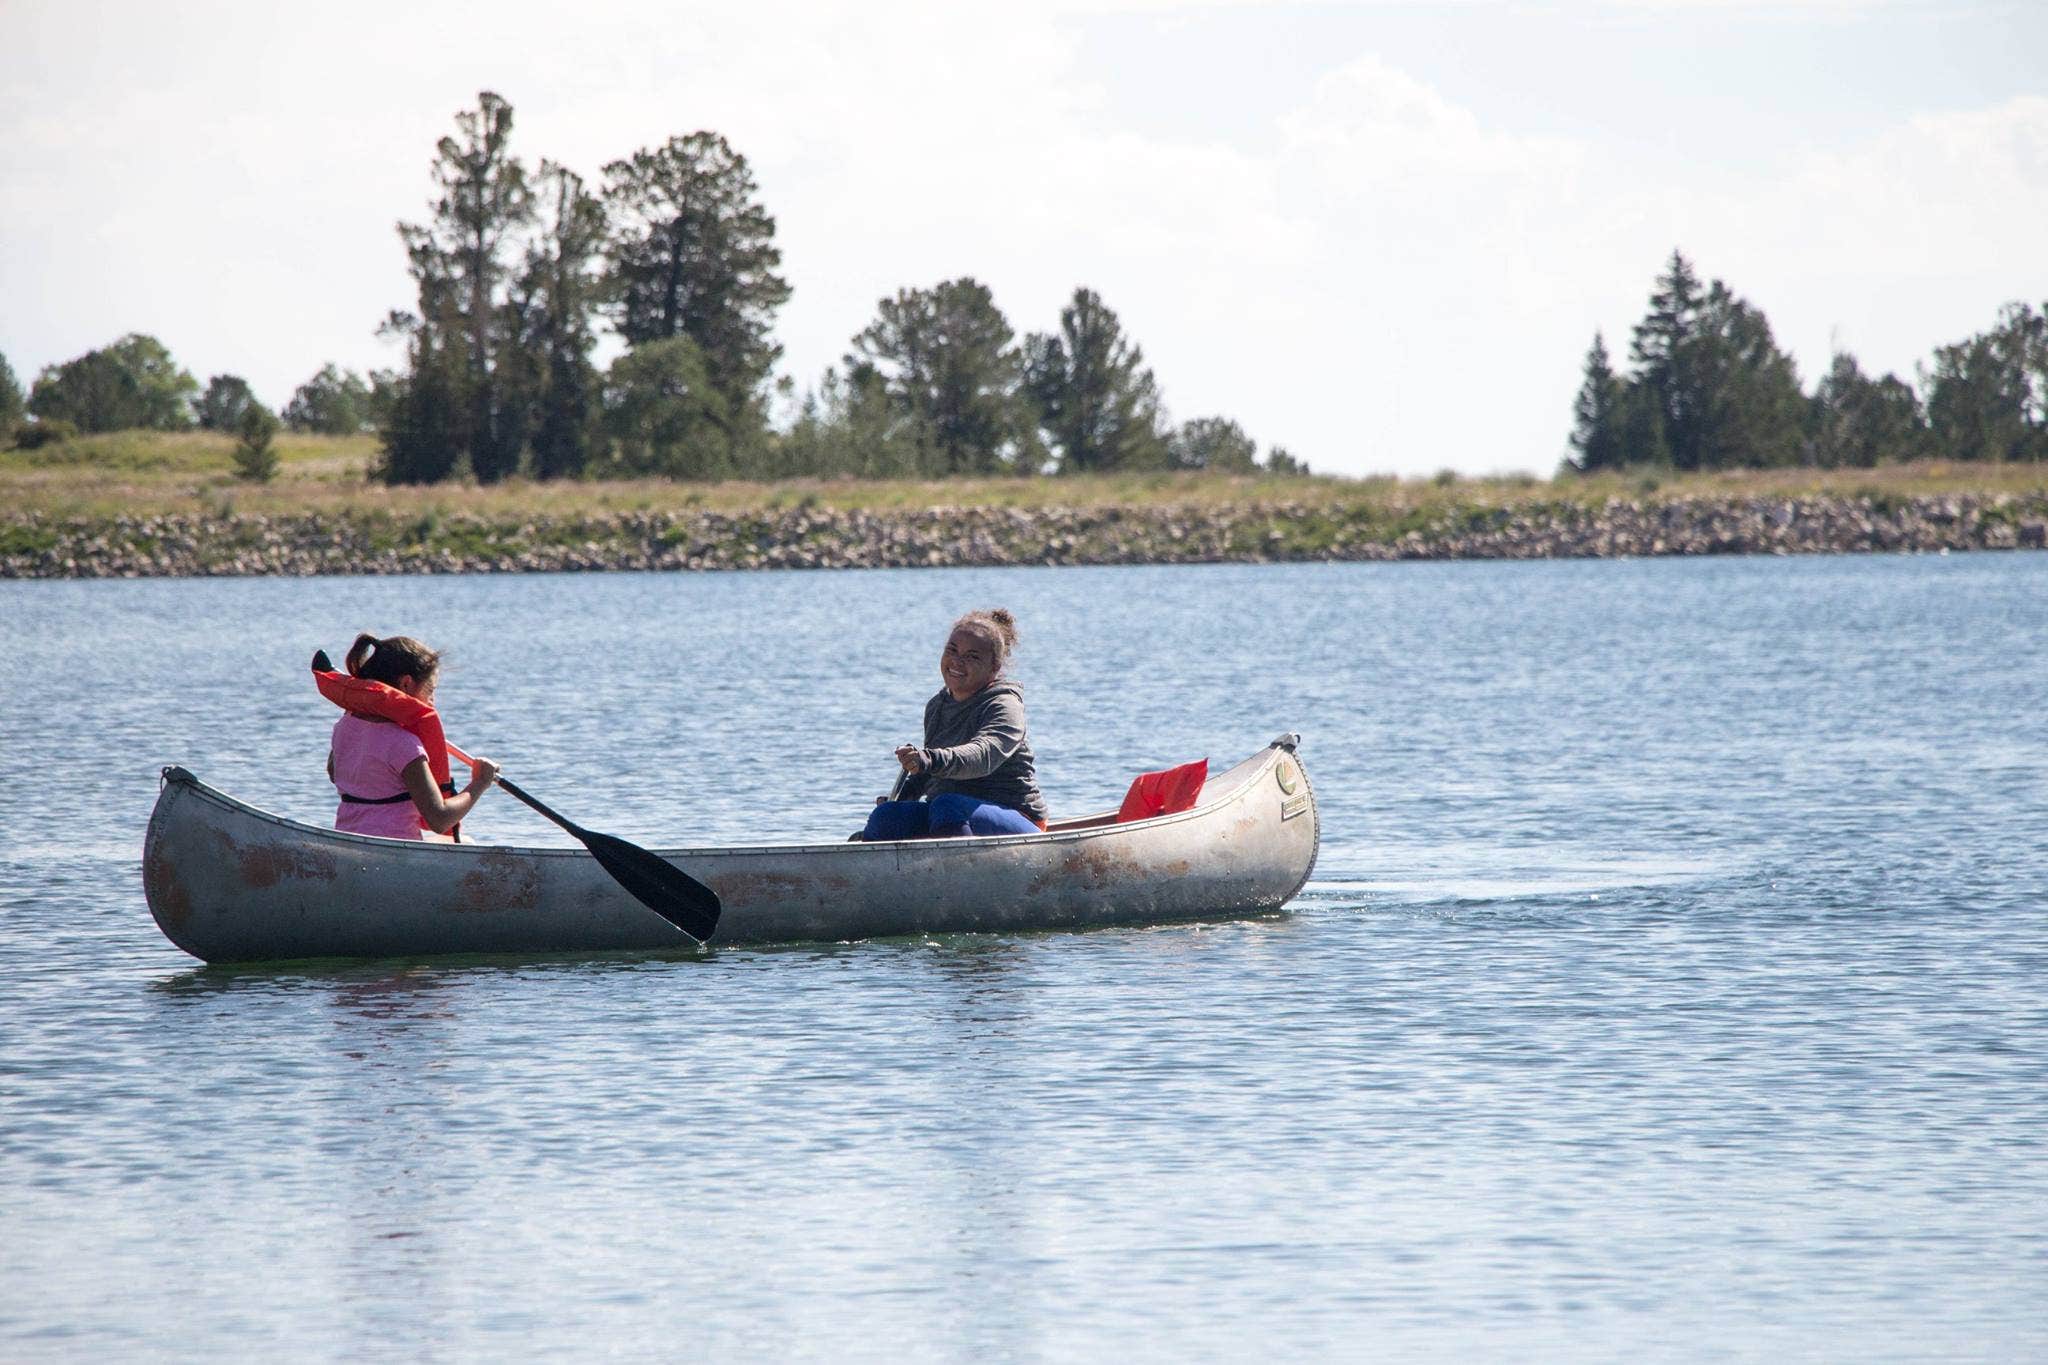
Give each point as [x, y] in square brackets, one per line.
[227, 882]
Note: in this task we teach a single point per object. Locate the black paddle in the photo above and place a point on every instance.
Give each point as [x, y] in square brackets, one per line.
[652, 880]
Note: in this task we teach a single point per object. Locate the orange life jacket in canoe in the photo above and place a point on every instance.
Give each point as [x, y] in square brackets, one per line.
[380, 701]
[1167, 792]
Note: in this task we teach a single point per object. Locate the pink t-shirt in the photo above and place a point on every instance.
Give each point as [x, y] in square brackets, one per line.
[369, 756]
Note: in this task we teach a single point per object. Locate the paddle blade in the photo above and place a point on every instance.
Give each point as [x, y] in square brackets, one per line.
[658, 884]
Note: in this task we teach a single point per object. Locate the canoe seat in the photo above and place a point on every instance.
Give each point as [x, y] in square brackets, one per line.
[1165, 792]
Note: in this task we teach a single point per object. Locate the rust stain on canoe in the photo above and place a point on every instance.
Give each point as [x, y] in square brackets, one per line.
[268, 864]
[502, 880]
[166, 895]
[770, 886]
[1092, 867]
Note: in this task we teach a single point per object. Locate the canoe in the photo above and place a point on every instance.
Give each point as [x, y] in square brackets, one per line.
[230, 883]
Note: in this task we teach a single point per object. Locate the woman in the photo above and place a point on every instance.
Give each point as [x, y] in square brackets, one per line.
[974, 769]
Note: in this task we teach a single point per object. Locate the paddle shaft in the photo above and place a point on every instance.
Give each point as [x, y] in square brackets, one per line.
[520, 793]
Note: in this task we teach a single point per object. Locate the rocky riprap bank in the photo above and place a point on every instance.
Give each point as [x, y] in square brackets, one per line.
[819, 537]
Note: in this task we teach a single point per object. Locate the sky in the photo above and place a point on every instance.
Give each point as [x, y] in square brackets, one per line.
[1381, 235]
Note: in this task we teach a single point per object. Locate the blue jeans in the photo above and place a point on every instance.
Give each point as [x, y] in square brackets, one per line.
[943, 817]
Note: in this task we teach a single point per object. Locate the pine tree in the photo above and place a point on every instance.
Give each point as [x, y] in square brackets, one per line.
[460, 262]
[1743, 396]
[1096, 399]
[693, 254]
[1855, 421]
[558, 329]
[1661, 353]
[945, 357]
[255, 456]
[1596, 414]
[1987, 397]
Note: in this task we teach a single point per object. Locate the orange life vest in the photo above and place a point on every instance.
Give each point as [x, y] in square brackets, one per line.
[380, 701]
[1166, 792]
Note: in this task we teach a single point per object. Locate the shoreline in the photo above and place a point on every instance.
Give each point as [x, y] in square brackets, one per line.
[812, 536]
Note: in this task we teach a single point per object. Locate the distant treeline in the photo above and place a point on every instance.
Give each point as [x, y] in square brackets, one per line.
[1708, 388]
[518, 271]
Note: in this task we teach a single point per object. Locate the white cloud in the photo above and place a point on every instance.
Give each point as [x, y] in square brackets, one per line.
[1378, 278]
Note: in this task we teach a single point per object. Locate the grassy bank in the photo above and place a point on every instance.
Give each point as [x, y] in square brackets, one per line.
[141, 473]
[144, 505]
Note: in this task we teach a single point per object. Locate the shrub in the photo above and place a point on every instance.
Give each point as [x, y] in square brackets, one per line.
[255, 453]
[48, 432]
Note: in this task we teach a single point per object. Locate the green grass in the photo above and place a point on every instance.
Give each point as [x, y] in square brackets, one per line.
[140, 473]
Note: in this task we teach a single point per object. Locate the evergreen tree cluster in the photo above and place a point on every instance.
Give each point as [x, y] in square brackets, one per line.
[518, 270]
[1709, 388]
[517, 274]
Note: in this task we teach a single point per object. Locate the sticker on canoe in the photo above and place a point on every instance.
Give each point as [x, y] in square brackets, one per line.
[1293, 806]
[1283, 773]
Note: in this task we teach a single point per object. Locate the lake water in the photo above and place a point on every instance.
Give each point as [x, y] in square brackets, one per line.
[1674, 982]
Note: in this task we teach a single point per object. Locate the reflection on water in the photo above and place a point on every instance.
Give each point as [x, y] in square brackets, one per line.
[1668, 980]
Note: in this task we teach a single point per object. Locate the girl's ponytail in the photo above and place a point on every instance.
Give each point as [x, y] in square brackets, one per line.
[388, 660]
[358, 652]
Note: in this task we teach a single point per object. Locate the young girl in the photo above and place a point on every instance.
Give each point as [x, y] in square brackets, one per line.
[388, 759]
[975, 767]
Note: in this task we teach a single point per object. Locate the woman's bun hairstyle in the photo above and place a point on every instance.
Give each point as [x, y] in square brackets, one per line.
[995, 625]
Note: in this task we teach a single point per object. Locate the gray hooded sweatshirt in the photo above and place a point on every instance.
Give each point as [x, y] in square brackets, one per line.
[977, 748]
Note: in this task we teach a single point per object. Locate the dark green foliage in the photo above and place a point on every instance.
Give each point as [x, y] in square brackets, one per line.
[664, 414]
[132, 383]
[1856, 421]
[848, 427]
[693, 255]
[1215, 444]
[1642, 427]
[226, 398]
[334, 402]
[1710, 387]
[558, 296]
[1987, 397]
[1712, 390]
[1597, 433]
[1742, 392]
[945, 358]
[1098, 403]
[420, 430]
[1659, 351]
[47, 431]
[1279, 461]
[255, 455]
[13, 403]
[465, 373]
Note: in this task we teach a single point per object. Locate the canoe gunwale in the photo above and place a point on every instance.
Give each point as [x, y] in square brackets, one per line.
[1204, 807]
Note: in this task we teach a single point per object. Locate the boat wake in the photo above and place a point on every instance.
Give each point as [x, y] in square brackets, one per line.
[1469, 876]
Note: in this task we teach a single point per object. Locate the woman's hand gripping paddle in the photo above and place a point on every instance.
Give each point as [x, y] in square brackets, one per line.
[652, 880]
